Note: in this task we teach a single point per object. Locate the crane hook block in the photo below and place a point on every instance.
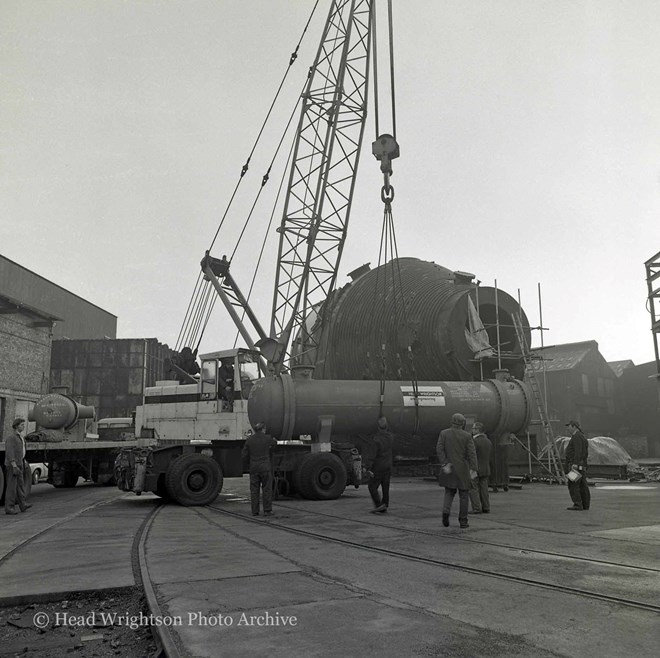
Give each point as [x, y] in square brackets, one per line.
[385, 148]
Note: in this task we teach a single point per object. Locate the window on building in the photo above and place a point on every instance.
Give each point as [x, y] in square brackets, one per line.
[601, 387]
[585, 384]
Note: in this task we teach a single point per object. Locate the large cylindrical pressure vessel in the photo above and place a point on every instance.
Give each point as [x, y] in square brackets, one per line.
[418, 304]
[297, 406]
[56, 411]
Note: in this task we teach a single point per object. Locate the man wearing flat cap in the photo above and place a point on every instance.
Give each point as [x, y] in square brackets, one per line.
[458, 465]
[577, 452]
[256, 459]
[15, 465]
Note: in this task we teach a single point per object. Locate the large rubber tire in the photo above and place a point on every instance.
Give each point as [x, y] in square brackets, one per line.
[161, 488]
[322, 476]
[193, 480]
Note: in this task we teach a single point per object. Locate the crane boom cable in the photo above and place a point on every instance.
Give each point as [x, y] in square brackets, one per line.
[266, 176]
[392, 94]
[187, 328]
[184, 324]
[266, 234]
[246, 166]
[374, 41]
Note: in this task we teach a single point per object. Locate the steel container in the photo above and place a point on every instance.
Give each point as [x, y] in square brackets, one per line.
[291, 407]
[418, 311]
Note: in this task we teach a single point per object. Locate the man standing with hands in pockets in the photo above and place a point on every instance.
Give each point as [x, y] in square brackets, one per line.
[458, 465]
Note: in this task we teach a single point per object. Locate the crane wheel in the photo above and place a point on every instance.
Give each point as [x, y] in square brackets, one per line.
[193, 480]
[322, 476]
[161, 488]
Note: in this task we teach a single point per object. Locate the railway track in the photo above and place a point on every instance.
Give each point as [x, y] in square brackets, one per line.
[471, 540]
[24, 543]
[162, 635]
[449, 564]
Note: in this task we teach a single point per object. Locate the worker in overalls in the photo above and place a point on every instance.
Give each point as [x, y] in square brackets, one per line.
[256, 459]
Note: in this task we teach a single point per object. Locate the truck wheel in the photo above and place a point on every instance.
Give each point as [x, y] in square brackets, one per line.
[2, 485]
[68, 481]
[161, 488]
[322, 476]
[193, 480]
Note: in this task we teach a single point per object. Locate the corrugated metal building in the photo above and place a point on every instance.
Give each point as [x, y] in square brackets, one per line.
[76, 317]
[109, 375]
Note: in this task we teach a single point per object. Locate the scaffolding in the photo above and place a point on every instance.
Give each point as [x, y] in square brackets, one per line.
[653, 279]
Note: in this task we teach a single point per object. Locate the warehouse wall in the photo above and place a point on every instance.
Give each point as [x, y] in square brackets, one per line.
[109, 375]
[24, 366]
[80, 318]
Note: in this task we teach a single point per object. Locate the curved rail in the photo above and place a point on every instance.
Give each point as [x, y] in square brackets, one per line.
[471, 540]
[451, 565]
[161, 632]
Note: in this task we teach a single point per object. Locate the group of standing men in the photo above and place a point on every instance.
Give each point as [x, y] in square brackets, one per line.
[464, 460]
[17, 470]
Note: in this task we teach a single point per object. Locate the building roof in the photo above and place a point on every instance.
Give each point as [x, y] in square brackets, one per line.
[619, 366]
[561, 357]
[11, 305]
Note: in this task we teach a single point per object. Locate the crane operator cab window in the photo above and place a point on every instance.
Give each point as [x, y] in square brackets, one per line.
[209, 380]
[249, 371]
[226, 383]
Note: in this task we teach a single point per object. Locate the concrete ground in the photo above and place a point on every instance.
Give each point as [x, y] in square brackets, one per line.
[347, 601]
[234, 586]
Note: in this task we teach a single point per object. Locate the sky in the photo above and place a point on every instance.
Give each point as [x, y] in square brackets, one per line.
[529, 133]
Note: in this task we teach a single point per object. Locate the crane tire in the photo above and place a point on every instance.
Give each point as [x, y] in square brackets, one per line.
[193, 480]
[322, 476]
[161, 488]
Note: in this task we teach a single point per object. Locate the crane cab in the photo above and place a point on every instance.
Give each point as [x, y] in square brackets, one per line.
[215, 408]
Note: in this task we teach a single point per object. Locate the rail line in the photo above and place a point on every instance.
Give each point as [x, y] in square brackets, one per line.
[28, 540]
[470, 540]
[161, 633]
[167, 646]
[448, 564]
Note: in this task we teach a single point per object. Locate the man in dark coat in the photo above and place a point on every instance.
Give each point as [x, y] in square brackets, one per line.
[15, 469]
[577, 452]
[256, 458]
[479, 485]
[458, 464]
[380, 467]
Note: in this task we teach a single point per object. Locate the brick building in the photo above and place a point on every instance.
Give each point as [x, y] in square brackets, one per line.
[33, 310]
[25, 340]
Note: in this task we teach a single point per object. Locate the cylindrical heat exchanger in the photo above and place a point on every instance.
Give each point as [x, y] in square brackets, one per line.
[297, 406]
[56, 411]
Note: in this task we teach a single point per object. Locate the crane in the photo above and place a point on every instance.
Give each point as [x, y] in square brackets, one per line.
[201, 426]
[319, 196]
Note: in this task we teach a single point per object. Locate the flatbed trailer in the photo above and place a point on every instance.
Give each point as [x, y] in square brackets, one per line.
[69, 460]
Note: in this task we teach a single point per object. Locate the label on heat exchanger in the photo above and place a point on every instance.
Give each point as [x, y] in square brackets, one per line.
[427, 396]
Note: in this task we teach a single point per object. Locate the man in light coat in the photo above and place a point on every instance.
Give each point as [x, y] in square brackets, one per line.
[458, 464]
[15, 466]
